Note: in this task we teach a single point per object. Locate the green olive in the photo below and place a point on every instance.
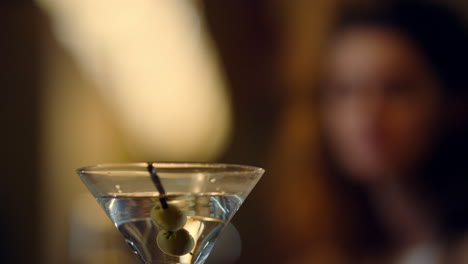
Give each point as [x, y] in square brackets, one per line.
[177, 243]
[170, 219]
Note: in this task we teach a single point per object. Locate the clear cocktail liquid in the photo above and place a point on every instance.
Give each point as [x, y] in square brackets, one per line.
[207, 215]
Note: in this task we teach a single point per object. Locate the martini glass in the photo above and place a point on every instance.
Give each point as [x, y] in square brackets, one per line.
[207, 194]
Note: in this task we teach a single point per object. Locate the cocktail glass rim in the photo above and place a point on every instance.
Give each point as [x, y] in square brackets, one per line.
[228, 169]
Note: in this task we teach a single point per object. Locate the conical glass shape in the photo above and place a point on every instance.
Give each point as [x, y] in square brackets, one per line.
[207, 194]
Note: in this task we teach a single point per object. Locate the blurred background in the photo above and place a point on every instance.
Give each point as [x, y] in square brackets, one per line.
[102, 81]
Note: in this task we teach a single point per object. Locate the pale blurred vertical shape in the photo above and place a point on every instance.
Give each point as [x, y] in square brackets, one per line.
[154, 64]
[135, 80]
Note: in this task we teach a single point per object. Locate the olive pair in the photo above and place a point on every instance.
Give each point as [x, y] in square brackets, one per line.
[173, 239]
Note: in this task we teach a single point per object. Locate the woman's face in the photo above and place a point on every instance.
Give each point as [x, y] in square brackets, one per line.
[380, 104]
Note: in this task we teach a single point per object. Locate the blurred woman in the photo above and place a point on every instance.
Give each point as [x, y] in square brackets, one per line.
[393, 118]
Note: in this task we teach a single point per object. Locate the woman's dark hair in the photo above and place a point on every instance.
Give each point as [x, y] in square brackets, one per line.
[436, 30]
[440, 35]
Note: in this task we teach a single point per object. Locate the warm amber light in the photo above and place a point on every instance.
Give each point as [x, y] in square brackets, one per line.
[153, 63]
